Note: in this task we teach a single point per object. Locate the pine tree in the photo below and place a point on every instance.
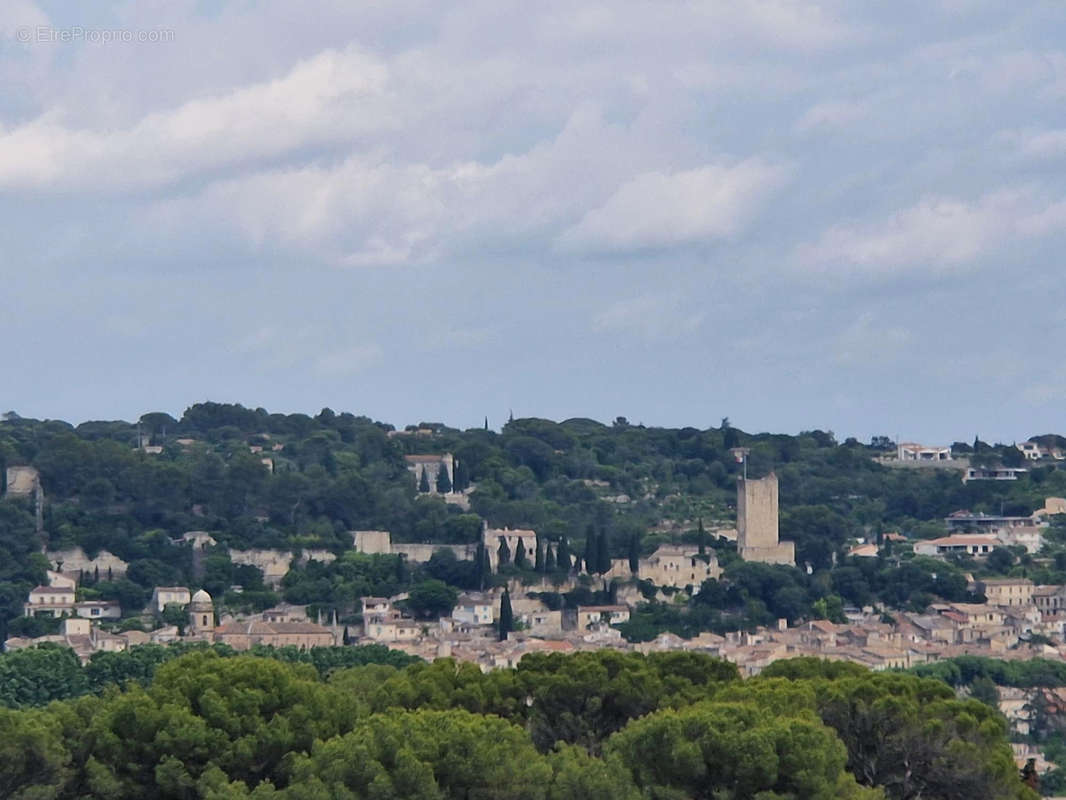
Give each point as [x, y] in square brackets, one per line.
[701, 538]
[503, 554]
[520, 555]
[444, 483]
[538, 564]
[550, 564]
[634, 553]
[486, 423]
[506, 615]
[346, 639]
[96, 574]
[109, 576]
[423, 482]
[562, 556]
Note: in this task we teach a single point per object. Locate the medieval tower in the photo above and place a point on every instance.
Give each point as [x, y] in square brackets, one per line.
[757, 531]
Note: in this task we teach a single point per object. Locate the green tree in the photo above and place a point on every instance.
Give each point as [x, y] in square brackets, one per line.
[423, 481]
[444, 482]
[520, 555]
[506, 621]
[503, 554]
[432, 598]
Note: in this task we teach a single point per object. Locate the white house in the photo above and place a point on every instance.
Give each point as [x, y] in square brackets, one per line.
[912, 451]
[473, 609]
[972, 544]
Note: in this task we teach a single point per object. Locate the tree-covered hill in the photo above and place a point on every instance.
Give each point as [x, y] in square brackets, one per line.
[133, 488]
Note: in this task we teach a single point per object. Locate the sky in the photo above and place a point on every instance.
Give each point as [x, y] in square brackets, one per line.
[836, 215]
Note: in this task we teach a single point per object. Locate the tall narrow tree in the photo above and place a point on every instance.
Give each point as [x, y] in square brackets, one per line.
[503, 554]
[506, 623]
[550, 564]
[701, 537]
[520, 560]
[589, 556]
[634, 553]
[538, 563]
[423, 482]
[444, 483]
[562, 556]
[603, 554]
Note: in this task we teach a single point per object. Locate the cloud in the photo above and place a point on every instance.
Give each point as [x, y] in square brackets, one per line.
[331, 98]
[938, 234]
[657, 209]
[831, 114]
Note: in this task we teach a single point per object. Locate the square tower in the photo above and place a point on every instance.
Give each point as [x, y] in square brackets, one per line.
[757, 523]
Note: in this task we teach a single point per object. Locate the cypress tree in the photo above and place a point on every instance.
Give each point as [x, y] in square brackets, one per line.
[603, 555]
[401, 569]
[539, 563]
[701, 538]
[634, 553]
[480, 573]
[444, 483]
[589, 556]
[506, 615]
[461, 478]
[486, 423]
[562, 555]
[346, 639]
[96, 574]
[423, 482]
[503, 554]
[520, 555]
[550, 563]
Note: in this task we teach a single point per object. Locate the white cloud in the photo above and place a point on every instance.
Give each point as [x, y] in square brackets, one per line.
[657, 209]
[940, 234]
[831, 114]
[331, 98]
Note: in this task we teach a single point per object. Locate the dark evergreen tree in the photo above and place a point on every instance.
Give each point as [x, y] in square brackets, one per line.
[346, 639]
[503, 554]
[550, 564]
[506, 624]
[701, 537]
[603, 554]
[482, 568]
[461, 478]
[444, 483]
[423, 482]
[562, 556]
[538, 564]
[520, 560]
[401, 569]
[486, 423]
[634, 553]
[589, 556]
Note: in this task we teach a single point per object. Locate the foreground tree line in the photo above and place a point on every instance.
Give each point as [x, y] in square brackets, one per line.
[593, 725]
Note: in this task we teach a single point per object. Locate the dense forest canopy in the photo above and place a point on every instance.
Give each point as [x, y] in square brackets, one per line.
[628, 487]
[593, 726]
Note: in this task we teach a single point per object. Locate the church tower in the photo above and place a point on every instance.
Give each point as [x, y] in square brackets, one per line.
[201, 613]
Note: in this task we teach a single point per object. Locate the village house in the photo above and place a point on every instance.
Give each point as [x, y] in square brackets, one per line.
[674, 565]
[912, 451]
[163, 596]
[50, 601]
[961, 544]
[1009, 592]
[245, 635]
[474, 609]
[591, 616]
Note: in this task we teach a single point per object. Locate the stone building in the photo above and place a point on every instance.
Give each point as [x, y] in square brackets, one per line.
[757, 523]
[431, 465]
[201, 610]
[678, 566]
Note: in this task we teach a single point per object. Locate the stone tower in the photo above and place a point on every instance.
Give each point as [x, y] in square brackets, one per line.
[201, 613]
[757, 531]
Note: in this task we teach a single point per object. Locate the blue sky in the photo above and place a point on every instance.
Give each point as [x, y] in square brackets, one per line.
[793, 214]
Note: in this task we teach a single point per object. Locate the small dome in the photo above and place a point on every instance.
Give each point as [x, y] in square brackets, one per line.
[201, 597]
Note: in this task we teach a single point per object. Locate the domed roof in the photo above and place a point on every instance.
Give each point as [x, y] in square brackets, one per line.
[201, 597]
